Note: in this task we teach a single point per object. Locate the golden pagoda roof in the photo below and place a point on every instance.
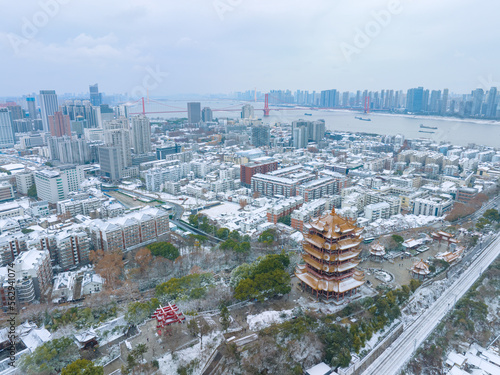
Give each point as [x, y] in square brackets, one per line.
[377, 249]
[421, 268]
[314, 262]
[337, 286]
[333, 225]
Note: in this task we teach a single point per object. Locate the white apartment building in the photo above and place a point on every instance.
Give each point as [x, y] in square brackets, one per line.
[24, 181]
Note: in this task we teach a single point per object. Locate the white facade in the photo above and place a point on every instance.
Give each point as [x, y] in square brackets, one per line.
[6, 133]
[24, 181]
[141, 135]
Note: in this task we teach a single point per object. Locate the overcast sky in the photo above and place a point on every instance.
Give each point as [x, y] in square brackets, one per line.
[213, 46]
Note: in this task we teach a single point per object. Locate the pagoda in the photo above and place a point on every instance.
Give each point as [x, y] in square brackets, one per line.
[332, 246]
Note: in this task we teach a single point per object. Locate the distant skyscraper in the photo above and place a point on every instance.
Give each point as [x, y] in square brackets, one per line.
[194, 112]
[444, 102]
[141, 135]
[6, 134]
[477, 101]
[261, 135]
[48, 106]
[492, 104]
[435, 101]
[415, 99]
[247, 111]
[95, 96]
[32, 112]
[59, 125]
[207, 115]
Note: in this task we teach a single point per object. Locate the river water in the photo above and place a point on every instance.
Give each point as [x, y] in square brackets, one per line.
[455, 131]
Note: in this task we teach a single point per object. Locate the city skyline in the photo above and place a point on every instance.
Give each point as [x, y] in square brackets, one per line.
[258, 45]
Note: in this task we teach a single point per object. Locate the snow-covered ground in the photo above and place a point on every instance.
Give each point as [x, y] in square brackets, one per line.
[266, 318]
[223, 209]
[170, 362]
[399, 222]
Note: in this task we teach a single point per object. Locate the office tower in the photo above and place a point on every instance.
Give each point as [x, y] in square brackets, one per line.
[194, 112]
[345, 99]
[207, 115]
[247, 111]
[261, 135]
[69, 150]
[492, 105]
[316, 131]
[141, 135]
[117, 134]
[415, 99]
[16, 112]
[329, 98]
[6, 134]
[477, 101]
[300, 137]
[59, 125]
[95, 95]
[48, 106]
[111, 162]
[358, 98]
[435, 101]
[30, 101]
[444, 102]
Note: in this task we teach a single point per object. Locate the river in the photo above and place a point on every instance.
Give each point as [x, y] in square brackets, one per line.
[456, 131]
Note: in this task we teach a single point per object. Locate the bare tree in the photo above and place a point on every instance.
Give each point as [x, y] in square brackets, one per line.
[198, 329]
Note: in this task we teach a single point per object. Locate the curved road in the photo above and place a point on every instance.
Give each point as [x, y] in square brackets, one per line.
[400, 352]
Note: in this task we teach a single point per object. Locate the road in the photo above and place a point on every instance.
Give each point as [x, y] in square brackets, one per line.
[400, 352]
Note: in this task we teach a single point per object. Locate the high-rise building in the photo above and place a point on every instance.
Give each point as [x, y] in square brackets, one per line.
[415, 100]
[477, 101]
[207, 114]
[300, 137]
[110, 162]
[54, 185]
[247, 111]
[261, 135]
[316, 130]
[95, 95]
[141, 135]
[444, 102]
[16, 112]
[59, 125]
[48, 106]
[32, 112]
[435, 101]
[194, 112]
[6, 133]
[492, 105]
[117, 134]
[329, 99]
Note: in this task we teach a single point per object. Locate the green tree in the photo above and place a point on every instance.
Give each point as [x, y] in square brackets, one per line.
[414, 284]
[225, 318]
[164, 249]
[198, 329]
[235, 235]
[139, 351]
[82, 367]
[137, 312]
[50, 358]
[398, 239]
[222, 233]
[32, 192]
[287, 220]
